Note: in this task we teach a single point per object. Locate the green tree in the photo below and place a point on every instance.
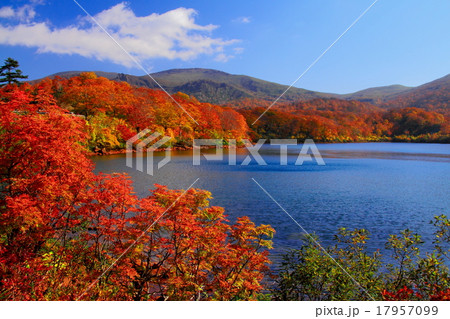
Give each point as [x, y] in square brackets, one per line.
[9, 72]
[309, 273]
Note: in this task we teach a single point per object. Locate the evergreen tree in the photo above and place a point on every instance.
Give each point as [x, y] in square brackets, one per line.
[9, 72]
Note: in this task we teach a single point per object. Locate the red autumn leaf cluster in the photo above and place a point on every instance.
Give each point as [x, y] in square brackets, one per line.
[67, 233]
[335, 120]
[406, 294]
[115, 111]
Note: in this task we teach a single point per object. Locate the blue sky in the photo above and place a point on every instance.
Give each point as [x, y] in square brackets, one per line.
[396, 42]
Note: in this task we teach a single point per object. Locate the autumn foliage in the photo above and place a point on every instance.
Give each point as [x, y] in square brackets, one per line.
[334, 120]
[115, 111]
[407, 294]
[67, 233]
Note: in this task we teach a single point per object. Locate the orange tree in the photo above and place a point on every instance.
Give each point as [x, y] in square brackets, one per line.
[116, 110]
[67, 233]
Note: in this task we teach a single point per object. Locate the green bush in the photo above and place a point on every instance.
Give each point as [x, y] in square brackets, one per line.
[347, 271]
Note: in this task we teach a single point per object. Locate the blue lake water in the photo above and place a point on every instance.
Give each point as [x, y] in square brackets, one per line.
[383, 187]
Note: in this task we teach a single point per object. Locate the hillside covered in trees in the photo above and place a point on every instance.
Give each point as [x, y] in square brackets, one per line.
[217, 87]
[334, 120]
[116, 110]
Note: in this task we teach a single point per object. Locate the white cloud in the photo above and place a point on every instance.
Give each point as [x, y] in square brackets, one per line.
[238, 50]
[7, 12]
[25, 13]
[221, 57]
[243, 20]
[171, 35]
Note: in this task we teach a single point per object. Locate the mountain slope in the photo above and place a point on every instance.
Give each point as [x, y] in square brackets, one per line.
[433, 95]
[210, 85]
[223, 88]
[377, 95]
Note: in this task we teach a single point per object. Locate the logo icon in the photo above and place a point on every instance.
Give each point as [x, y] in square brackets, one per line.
[144, 146]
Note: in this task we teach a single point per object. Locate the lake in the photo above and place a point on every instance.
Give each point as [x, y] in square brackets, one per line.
[383, 187]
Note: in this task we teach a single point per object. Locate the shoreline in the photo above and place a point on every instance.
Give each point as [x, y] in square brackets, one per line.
[162, 149]
[188, 148]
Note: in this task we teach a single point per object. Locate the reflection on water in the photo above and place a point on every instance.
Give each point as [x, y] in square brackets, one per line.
[383, 187]
[395, 151]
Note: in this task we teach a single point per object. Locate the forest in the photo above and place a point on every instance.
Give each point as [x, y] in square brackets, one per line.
[67, 233]
[342, 121]
[115, 111]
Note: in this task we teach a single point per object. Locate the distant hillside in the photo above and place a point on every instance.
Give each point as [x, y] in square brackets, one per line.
[377, 95]
[223, 88]
[403, 114]
[210, 85]
[434, 96]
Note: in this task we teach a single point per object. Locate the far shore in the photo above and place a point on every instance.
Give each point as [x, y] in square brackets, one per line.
[103, 152]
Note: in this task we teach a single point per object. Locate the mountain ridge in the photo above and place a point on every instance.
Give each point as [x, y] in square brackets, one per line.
[218, 87]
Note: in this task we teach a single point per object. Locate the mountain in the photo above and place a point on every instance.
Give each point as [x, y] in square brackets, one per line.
[377, 95]
[434, 96]
[210, 85]
[69, 74]
[220, 88]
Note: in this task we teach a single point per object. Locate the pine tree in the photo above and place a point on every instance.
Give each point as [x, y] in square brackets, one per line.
[9, 72]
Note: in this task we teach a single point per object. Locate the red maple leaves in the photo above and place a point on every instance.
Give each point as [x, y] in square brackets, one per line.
[66, 233]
